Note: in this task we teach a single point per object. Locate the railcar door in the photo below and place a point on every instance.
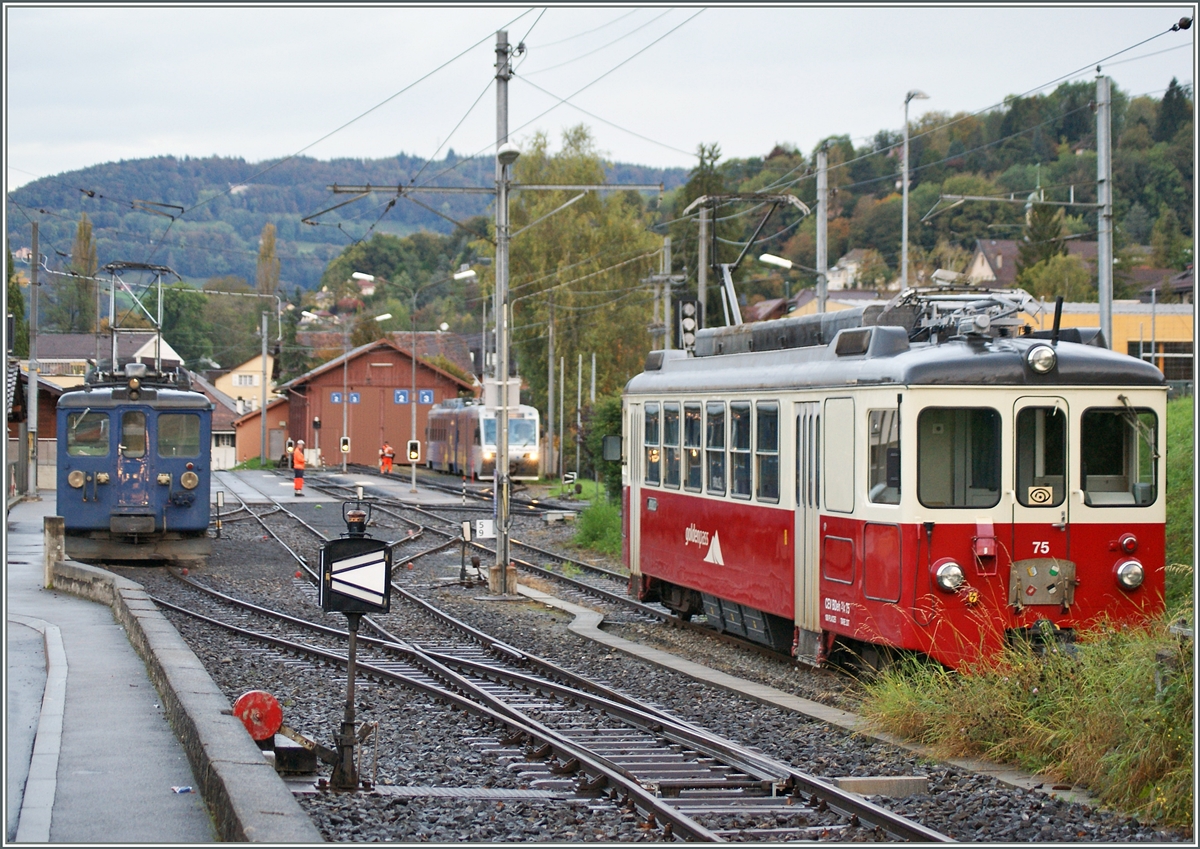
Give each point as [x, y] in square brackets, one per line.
[808, 488]
[1041, 567]
[133, 466]
[633, 461]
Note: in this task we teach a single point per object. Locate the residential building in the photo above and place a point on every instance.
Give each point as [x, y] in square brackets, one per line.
[64, 358]
[243, 383]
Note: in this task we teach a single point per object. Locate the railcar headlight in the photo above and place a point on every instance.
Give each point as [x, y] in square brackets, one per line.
[489, 455]
[76, 479]
[135, 384]
[1042, 359]
[949, 577]
[189, 480]
[1130, 574]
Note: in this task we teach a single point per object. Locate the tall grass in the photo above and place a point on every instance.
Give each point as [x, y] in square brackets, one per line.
[599, 528]
[1094, 718]
[1180, 470]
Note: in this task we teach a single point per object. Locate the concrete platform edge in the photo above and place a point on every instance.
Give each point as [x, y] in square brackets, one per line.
[247, 799]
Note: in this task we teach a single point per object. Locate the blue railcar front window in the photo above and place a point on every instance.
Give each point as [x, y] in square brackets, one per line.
[178, 435]
[87, 434]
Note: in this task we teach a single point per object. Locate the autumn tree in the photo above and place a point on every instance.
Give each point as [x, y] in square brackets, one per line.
[267, 270]
[74, 306]
[1061, 274]
[588, 260]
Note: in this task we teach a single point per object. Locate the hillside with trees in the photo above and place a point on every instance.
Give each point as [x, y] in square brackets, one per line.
[582, 269]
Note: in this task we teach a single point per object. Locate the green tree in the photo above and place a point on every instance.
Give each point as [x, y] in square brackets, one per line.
[267, 270]
[1173, 113]
[233, 320]
[293, 357]
[1043, 236]
[1169, 247]
[16, 308]
[1061, 274]
[184, 327]
[601, 420]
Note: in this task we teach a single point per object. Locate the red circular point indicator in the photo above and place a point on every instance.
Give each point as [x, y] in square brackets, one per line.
[185, 571]
[260, 712]
[299, 574]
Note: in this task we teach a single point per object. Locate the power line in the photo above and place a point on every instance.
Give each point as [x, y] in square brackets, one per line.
[603, 47]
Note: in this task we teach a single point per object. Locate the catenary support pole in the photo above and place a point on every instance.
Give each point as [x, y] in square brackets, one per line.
[822, 228]
[31, 386]
[702, 266]
[551, 465]
[1104, 260]
[263, 408]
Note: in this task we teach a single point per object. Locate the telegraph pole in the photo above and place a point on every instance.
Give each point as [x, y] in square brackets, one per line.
[504, 158]
[550, 463]
[1104, 260]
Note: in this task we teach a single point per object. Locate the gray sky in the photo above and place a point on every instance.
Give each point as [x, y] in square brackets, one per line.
[88, 85]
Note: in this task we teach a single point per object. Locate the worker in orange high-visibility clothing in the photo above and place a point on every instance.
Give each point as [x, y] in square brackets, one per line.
[386, 454]
[298, 467]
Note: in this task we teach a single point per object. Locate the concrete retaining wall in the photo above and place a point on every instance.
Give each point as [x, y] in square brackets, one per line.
[248, 800]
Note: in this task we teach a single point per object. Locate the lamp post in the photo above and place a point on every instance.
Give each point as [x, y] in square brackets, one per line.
[345, 372]
[506, 155]
[463, 273]
[912, 95]
[771, 259]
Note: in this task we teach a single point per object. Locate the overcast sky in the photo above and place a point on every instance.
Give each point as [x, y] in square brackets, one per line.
[88, 85]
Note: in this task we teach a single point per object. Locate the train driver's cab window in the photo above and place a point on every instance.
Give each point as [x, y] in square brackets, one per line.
[522, 432]
[714, 440]
[671, 444]
[739, 449]
[1118, 457]
[958, 457]
[767, 451]
[87, 434]
[883, 455]
[1041, 456]
[693, 462]
[653, 451]
[133, 434]
[178, 435]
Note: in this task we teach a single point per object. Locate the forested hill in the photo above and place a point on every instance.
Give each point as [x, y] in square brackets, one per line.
[226, 202]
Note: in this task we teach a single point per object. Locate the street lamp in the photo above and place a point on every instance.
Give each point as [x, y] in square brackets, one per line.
[912, 95]
[506, 155]
[771, 259]
[345, 379]
[464, 273]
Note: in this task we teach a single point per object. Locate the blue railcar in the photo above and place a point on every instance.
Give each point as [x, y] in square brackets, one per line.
[134, 468]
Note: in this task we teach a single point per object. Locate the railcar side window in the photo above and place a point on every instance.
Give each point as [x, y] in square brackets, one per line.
[883, 454]
[87, 434]
[693, 477]
[1041, 456]
[178, 435]
[767, 451]
[739, 449]
[1118, 457]
[714, 439]
[652, 449]
[958, 457]
[671, 444]
[133, 434]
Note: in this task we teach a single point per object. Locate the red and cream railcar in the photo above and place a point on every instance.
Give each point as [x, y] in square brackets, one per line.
[936, 479]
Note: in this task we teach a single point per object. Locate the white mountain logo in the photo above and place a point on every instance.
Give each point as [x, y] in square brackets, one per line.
[714, 551]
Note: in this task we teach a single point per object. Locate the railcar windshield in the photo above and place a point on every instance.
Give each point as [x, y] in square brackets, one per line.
[1118, 457]
[521, 432]
[133, 434]
[87, 434]
[958, 457]
[178, 435]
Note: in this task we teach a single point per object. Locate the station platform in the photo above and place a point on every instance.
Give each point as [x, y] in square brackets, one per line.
[110, 716]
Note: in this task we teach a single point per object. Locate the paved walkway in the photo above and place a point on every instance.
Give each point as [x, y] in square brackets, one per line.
[91, 755]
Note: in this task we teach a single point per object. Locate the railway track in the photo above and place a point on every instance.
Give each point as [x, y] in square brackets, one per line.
[574, 735]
